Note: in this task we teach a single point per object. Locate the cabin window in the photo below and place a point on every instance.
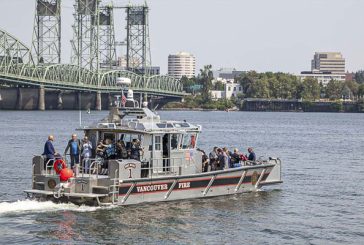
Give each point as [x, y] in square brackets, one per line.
[189, 141]
[175, 138]
[181, 125]
[110, 136]
[161, 125]
[157, 143]
[128, 139]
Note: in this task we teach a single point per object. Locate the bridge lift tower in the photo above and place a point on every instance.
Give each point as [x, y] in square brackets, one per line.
[46, 42]
[85, 43]
[107, 44]
[138, 57]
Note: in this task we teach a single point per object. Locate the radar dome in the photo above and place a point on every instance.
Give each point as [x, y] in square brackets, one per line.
[123, 81]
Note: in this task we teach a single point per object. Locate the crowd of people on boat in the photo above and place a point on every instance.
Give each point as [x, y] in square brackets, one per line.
[223, 158]
[81, 151]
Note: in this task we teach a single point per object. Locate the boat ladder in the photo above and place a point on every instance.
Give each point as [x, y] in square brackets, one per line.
[114, 193]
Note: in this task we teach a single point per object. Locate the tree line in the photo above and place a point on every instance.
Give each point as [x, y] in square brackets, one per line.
[269, 85]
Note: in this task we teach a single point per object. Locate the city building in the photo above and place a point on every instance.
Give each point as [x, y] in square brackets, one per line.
[181, 64]
[227, 73]
[231, 89]
[322, 77]
[326, 66]
[328, 62]
[154, 70]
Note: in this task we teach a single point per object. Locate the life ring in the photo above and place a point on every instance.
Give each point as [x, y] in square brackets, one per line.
[58, 165]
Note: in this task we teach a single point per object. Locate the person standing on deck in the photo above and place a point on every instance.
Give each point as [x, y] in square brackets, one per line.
[213, 159]
[86, 153]
[74, 146]
[49, 151]
[225, 153]
[252, 157]
[135, 150]
[223, 159]
[235, 158]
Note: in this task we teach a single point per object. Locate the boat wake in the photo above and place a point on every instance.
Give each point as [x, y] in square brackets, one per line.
[33, 206]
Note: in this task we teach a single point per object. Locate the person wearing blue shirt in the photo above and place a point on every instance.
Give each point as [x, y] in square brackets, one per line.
[74, 147]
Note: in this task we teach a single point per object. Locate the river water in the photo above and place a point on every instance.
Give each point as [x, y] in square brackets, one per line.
[320, 202]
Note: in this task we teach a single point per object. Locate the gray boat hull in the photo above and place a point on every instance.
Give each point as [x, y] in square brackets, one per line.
[81, 190]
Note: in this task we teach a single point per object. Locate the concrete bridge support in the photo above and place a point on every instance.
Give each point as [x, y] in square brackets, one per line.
[110, 101]
[79, 100]
[41, 101]
[98, 101]
[59, 101]
[19, 102]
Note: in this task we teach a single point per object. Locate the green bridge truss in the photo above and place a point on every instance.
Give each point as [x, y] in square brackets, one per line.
[17, 66]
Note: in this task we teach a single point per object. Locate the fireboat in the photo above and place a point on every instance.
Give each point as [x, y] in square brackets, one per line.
[169, 168]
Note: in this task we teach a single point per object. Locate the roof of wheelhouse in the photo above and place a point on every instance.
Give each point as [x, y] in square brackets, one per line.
[139, 120]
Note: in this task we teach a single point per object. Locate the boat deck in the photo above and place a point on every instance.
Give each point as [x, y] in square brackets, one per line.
[51, 193]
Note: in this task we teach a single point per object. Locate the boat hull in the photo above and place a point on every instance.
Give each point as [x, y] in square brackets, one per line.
[167, 188]
[211, 184]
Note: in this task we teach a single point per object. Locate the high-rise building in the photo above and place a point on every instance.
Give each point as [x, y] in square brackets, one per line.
[181, 64]
[326, 66]
[328, 62]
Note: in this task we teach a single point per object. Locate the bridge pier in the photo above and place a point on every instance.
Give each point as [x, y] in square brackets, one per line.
[145, 99]
[79, 100]
[110, 101]
[41, 100]
[98, 101]
[59, 101]
[19, 102]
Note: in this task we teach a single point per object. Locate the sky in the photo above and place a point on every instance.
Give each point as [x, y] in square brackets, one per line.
[262, 35]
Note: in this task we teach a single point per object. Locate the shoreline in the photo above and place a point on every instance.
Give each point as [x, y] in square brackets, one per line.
[213, 110]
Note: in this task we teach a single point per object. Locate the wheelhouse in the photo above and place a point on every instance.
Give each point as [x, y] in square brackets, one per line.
[168, 147]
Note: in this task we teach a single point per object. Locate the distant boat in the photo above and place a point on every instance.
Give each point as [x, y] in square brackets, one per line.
[88, 111]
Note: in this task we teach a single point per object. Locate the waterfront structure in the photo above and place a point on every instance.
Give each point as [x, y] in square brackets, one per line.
[25, 85]
[326, 66]
[181, 64]
[231, 89]
[35, 79]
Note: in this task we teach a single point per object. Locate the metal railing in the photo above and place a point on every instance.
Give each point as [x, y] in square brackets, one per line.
[166, 166]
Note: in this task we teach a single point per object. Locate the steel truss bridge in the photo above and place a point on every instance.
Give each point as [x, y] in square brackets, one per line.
[17, 67]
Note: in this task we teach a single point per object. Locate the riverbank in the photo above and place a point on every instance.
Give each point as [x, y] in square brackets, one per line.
[276, 105]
